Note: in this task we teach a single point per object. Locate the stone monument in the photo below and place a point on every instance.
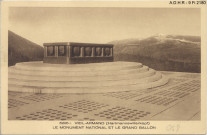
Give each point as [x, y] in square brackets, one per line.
[71, 52]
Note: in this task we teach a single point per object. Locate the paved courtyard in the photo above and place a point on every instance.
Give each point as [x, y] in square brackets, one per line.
[179, 99]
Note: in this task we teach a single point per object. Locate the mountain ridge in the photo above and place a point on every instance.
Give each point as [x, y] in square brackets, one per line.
[21, 49]
[162, 52]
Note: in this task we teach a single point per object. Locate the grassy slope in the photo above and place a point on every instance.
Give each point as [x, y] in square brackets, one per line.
[22, 50]
[168, 53]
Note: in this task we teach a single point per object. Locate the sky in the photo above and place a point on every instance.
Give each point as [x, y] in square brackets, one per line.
[100, 24]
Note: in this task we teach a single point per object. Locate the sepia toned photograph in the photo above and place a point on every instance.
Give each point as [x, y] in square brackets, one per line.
[103, 67]
[104, 64]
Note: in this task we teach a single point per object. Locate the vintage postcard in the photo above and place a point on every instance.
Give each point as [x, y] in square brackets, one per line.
[103, 67]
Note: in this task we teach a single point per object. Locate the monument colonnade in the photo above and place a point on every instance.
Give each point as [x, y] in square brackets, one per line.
[70, 52]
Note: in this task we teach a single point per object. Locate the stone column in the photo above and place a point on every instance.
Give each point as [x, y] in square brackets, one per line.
[67, 54]
[93, 52]
[102, 52]
[82, 51]
[111, 51]
[68, 51]
[45, 53]
[56, 51]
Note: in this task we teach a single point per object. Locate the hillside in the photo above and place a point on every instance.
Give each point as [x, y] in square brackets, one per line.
[22, 50]
[162, 52]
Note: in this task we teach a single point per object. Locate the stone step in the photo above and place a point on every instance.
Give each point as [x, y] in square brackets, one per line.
[88, 83]
[13, 70]
[94, 78]
[140, 86]
[111, 66]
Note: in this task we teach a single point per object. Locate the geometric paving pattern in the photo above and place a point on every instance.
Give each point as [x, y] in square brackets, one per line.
[122, 95]
[83, 106]
[158, 100]
[136, 105]
[122, 114]
[173, 94]
[15, 103]
[14, 93]
[186, 87]
[41, 97]
[49, 114]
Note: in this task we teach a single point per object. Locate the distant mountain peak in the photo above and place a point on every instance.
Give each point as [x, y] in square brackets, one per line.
[160, 35]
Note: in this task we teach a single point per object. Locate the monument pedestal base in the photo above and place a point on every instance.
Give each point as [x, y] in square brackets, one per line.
[39, 77]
